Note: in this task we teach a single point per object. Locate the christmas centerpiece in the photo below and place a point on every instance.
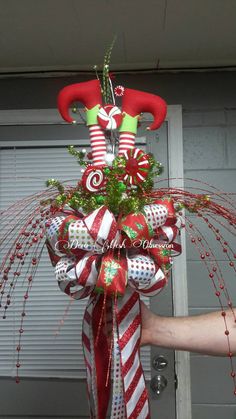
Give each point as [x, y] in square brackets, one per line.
[112, 237]
[110, 240]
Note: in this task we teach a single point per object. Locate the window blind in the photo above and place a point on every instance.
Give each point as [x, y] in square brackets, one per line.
[49, 349]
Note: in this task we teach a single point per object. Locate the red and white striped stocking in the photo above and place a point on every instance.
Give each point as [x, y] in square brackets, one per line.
[98, 144]
[126, 142]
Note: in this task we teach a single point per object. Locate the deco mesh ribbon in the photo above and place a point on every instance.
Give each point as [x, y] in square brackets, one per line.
[108, 261]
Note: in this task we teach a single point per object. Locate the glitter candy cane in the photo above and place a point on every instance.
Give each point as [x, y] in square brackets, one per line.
[89, 94]
[134, 102]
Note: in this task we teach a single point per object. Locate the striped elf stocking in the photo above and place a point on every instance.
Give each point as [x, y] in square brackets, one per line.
[134, 102]
[126, 142]
[89, 94]
[98, 144]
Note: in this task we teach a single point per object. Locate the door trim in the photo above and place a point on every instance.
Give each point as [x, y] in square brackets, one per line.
[179, 269]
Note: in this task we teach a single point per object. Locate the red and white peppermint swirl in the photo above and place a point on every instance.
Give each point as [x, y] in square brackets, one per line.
[137, 166]
[119, 91]
[109, 117]
[93, 179]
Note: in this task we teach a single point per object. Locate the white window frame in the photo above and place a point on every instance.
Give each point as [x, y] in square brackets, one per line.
[176, 171]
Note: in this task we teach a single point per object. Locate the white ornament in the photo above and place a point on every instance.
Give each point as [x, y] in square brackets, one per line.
[109, 157]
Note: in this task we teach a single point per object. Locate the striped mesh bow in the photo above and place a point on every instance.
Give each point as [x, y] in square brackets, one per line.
[98, 257]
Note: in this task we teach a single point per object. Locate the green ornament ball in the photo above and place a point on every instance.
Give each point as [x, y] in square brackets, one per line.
[121, 187]
[106, 170]
[100, 199]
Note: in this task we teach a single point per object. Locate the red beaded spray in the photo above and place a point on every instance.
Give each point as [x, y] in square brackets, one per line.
[23, 238]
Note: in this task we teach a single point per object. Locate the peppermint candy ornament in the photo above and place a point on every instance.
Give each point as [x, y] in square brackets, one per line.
[93, 179]
[119, 91]
[109, 117]
[137, 166]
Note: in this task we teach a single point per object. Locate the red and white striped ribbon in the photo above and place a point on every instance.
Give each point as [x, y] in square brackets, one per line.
[101, 225]
[168, 233]
[126, 142]
[98, 144]
[129, 329]
[88, 349]
[65, 272]
[118, 410]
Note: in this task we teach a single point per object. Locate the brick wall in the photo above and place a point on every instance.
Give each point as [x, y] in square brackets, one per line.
[210, 155]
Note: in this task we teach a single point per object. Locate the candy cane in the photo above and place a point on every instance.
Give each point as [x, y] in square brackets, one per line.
[135, 102]
[89, 94]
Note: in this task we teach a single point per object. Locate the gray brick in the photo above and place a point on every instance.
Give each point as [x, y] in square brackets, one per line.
[204, 148]
[200, 287]
[231, 147]
[213, 411]
[231, 116]
[192, 119]
[214, 118]
[211, 244]
[211, 381]
[200, 310]
[224, 180]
